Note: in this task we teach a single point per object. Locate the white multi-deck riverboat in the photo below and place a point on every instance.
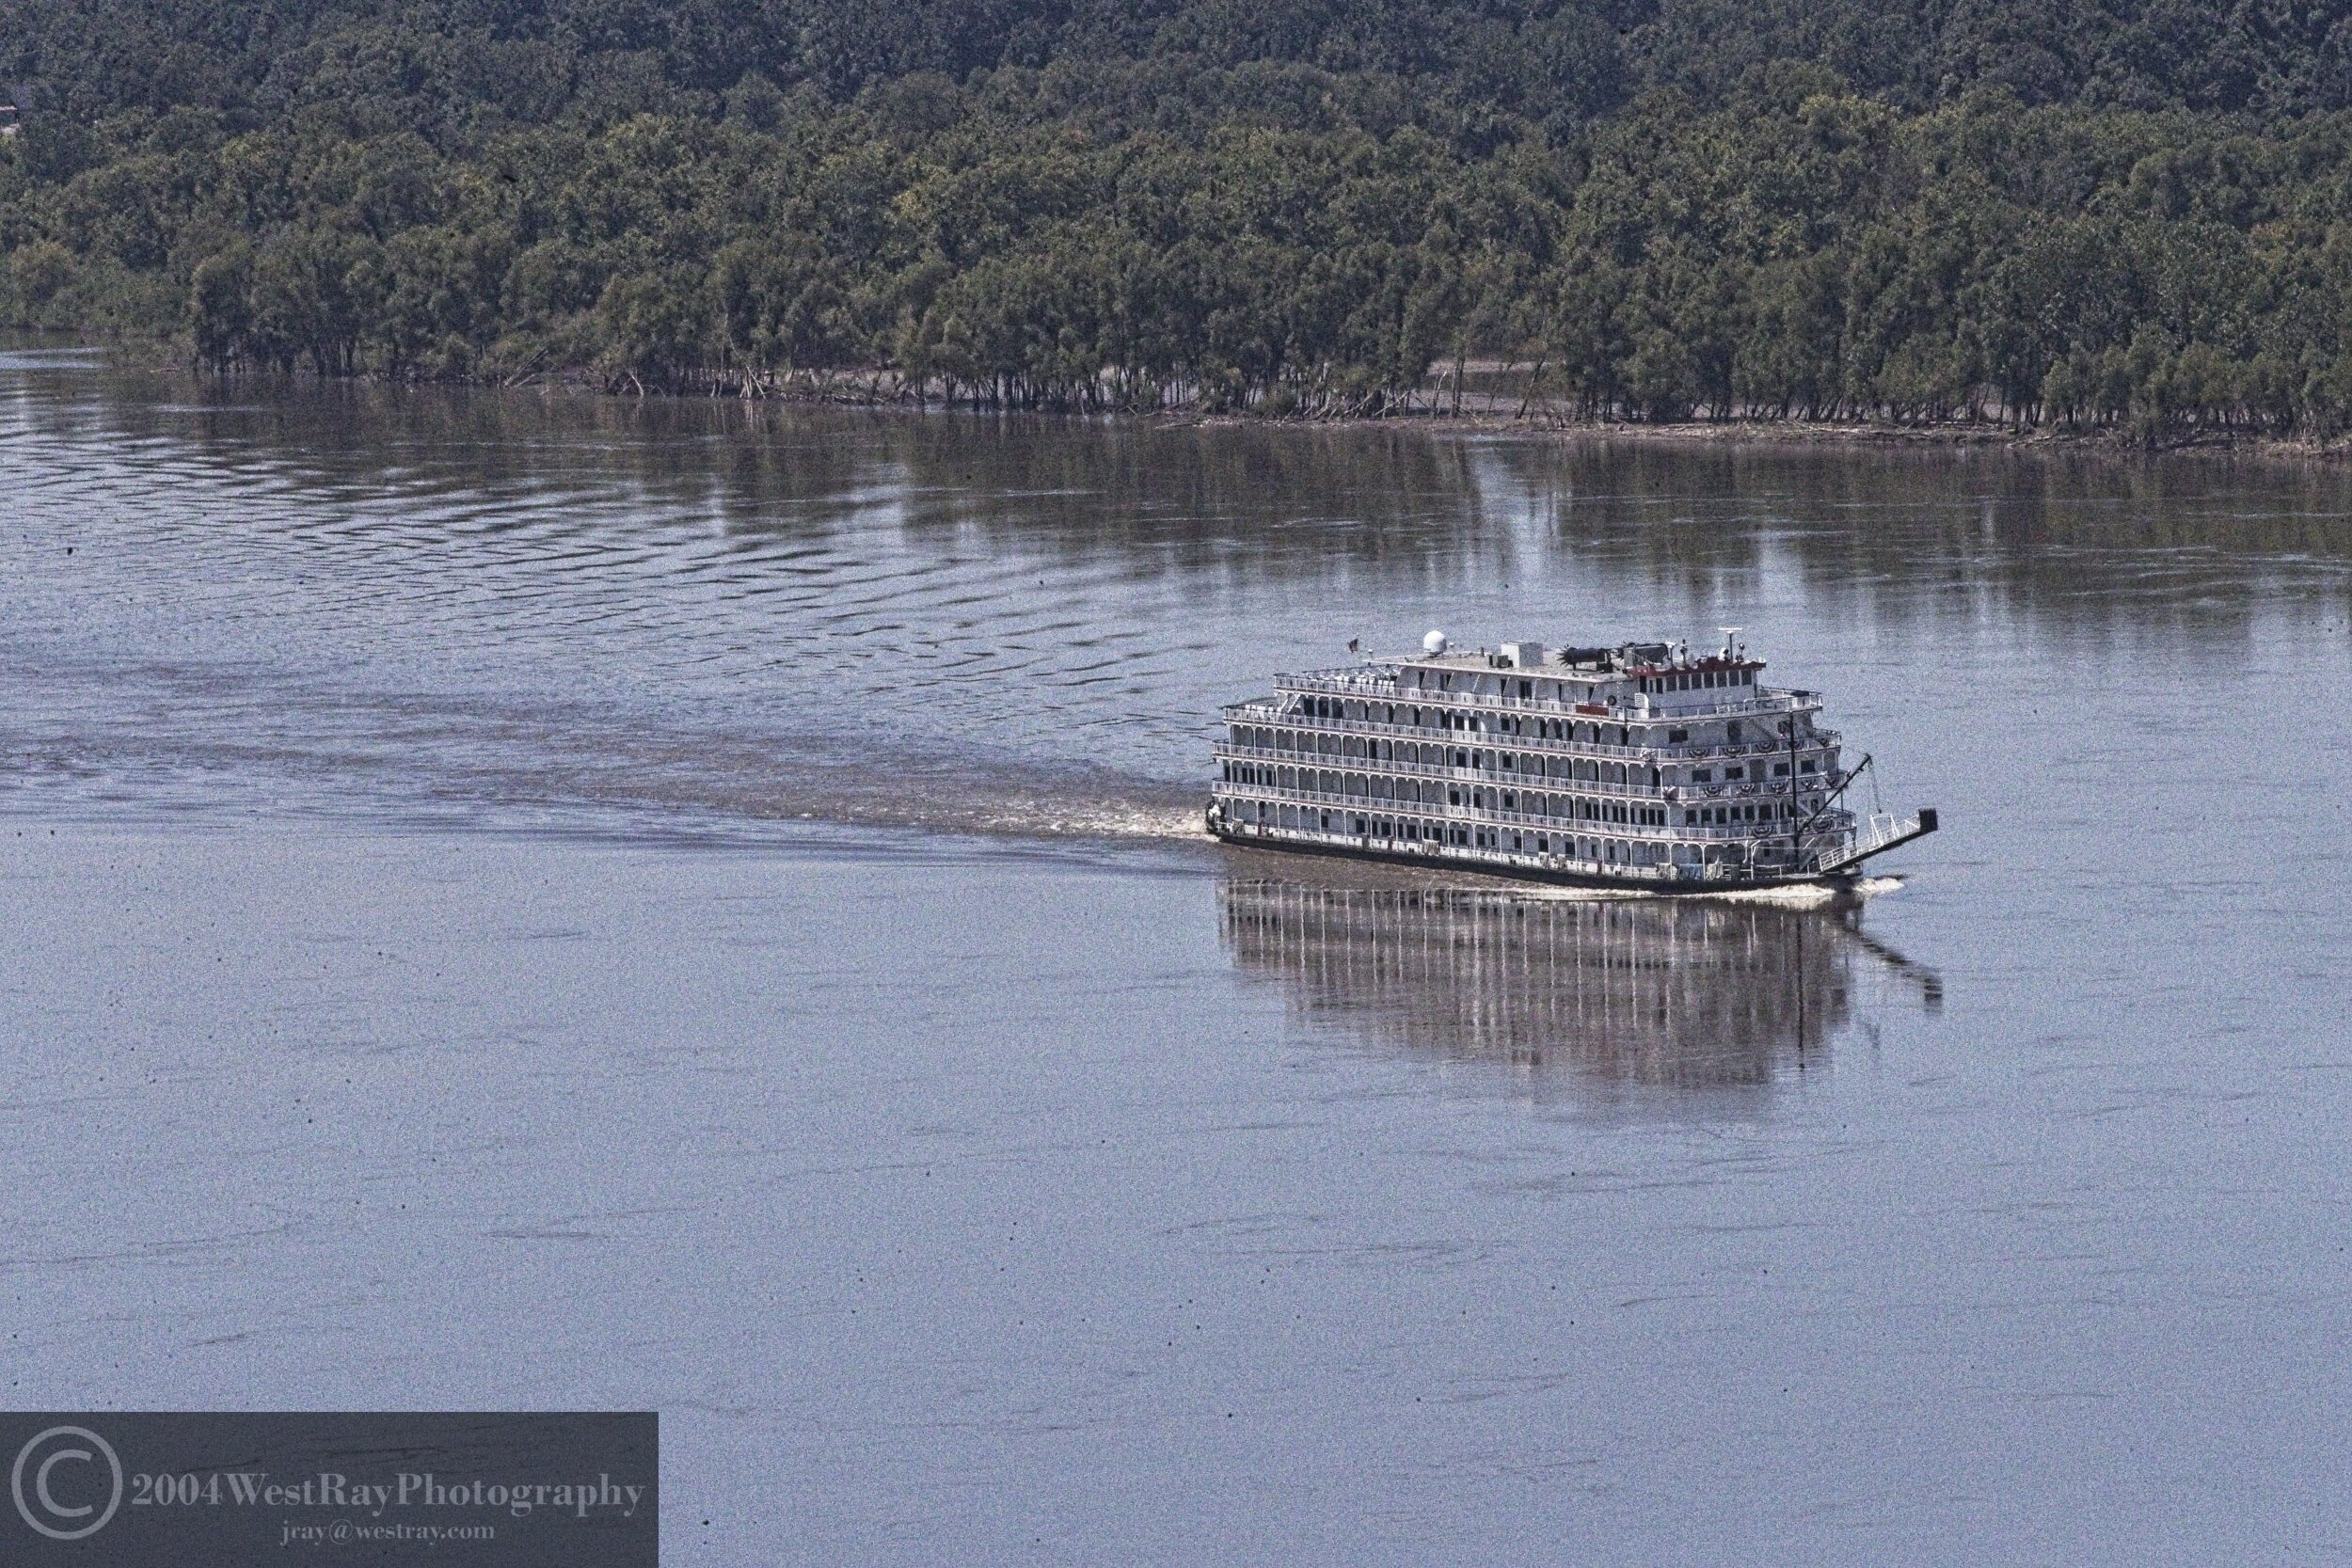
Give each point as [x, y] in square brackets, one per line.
[1642, 765]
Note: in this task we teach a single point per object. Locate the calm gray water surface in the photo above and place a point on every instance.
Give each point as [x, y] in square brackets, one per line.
[700, 906]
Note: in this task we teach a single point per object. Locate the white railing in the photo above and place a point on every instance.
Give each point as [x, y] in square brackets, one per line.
[1827, 828]
[1541, 783]
[1881, 831]
[1376, 681]
[1770, 746]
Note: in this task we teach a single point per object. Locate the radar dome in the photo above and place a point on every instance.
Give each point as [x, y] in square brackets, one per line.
[1434, 643]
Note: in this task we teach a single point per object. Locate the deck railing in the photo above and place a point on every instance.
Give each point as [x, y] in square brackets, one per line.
[1376, 681]
[1513, 778]
[1828, 828]
[1883, 831]
[1271, 713]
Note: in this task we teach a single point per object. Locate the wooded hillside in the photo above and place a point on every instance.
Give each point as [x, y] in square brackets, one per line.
[2133, 213]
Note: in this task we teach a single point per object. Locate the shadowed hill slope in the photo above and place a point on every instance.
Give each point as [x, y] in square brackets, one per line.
[2131, 213]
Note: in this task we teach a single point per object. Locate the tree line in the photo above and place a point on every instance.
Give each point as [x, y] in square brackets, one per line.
[2140, 222]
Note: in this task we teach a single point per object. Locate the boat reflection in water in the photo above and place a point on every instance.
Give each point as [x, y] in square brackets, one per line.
[1677, 993]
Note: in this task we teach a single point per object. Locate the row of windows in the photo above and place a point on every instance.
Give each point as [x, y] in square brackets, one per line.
[1406, 715]
[1570, 732]
[1739, 771]
[1528, 765]
[1749, 811]
[1404, 830]
[1447, 717]
[1679, 680]
[1529, 803]
[1696, 680]
[1496, 762]
[1421, 755]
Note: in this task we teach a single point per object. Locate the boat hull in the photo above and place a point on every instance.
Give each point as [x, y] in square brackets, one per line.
[1439, 859]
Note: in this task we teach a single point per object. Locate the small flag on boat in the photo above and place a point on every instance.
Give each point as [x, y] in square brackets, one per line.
[1351, 646]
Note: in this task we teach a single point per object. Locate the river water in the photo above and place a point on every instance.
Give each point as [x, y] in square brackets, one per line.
[574, 903]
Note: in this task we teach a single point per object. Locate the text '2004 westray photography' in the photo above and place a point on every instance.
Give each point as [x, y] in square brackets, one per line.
[482, 1490]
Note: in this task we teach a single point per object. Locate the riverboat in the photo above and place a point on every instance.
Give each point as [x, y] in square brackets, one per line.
[1643, 766]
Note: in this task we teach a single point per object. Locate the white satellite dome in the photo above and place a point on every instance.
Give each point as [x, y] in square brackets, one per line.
[1434, 643]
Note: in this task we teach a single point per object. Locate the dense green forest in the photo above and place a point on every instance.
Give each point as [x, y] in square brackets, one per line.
[2133, 214]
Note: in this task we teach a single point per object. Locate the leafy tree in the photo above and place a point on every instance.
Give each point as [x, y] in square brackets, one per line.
[2118, 213]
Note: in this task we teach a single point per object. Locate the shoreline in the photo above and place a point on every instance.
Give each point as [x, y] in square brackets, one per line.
[1948, 437]
[878, 393]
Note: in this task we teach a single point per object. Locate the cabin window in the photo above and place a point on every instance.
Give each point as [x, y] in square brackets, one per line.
[1453, 797]
[1731, 732]
[1527, 688]
[1702, 775]
[1805, 767]
[1675, 737]
[1735, 772]
[1780, 771]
